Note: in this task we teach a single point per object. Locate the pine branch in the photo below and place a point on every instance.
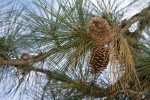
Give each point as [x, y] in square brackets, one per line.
[33, 59]
[144, 14]
[83, 87]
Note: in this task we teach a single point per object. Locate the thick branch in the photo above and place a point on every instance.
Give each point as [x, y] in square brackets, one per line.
[34, 59]
[144, 14]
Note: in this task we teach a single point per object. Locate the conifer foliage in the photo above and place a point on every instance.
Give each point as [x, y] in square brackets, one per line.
[55, 48]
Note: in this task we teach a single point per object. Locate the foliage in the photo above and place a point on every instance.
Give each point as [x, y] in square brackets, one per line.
[62, 40]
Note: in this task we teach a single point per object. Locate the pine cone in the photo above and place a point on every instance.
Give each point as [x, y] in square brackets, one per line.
[99, 59]
[99, 31]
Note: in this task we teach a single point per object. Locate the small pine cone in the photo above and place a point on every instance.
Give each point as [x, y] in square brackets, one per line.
[99, 31]
[99, 59]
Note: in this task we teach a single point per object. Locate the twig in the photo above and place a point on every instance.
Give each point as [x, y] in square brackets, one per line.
[129, 91]
[34, 59]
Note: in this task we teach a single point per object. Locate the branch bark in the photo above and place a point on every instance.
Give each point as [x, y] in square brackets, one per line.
[144, 14]
[34, 59]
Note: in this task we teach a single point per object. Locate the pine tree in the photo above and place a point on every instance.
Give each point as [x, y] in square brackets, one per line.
[60, 50]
